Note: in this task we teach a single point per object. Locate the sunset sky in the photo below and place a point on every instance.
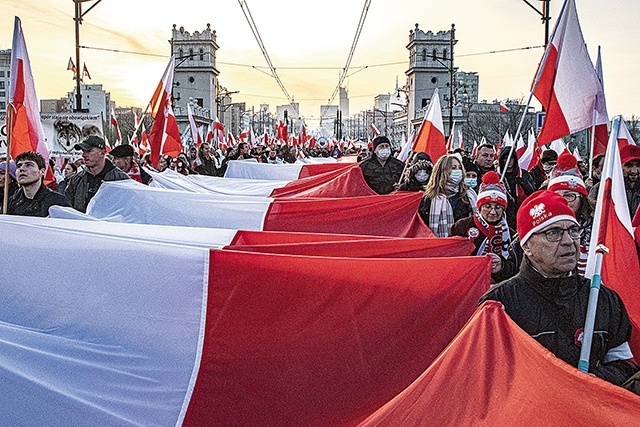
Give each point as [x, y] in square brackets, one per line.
[316, 34]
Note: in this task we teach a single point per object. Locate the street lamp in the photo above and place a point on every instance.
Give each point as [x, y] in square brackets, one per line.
[544, 16]
[78, 21]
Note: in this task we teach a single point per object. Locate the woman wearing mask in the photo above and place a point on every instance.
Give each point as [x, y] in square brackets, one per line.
[446, 197]
[417, 175]
[487, 228]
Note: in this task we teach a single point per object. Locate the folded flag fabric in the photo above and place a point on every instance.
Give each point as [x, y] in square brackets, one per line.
[286, 172]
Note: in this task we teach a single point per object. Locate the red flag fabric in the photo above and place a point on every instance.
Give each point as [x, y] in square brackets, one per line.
[375, 130]
[165, 136]
[430, 138]
[612, 227]
[261, 238]
[494, 374]
[503, 107]
[193, 127]
[362, 248]
[114, 123]
[567, 84]
[343, 182]
[26, 129]
[340, 341]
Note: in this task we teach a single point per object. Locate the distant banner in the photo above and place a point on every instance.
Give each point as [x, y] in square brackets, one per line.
[65, 130]
[62, 132]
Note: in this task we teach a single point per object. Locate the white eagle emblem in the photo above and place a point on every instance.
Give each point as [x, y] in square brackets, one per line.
[537, 210]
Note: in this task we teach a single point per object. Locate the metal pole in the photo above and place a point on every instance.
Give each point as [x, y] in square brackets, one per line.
[546, 18]
[78, 20]
[453, 32]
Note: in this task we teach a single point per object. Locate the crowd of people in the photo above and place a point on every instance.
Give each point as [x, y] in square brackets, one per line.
[534, 225]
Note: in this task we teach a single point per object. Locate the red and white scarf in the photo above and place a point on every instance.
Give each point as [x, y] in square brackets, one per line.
[498, 237]
[134, 172]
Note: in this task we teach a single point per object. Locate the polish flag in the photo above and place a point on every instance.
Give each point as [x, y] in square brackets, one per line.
[302, 135]
[375, 130]
[601, 131]
[406, 145]
[576, 154]
[165, 136]
[430, 138]
[282, 131]
[507, 140]
[529, 158]
[558, 146]
[193, 127]
[72, 67]
[114, 123]
[624, 136]
[85, 72]
[209, 135]
[460, 139]
[503, 107]
[612, 228]
[450, 140]
[26, 129]
[566, 83]
[137, 121]
[145, 145]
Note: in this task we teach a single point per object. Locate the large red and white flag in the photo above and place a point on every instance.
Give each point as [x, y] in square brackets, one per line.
[165, 136]
[601, 131]
[430, 138]
[612, 228]
[26, 129]
[193, 127]
[116, 128]
[566, 83]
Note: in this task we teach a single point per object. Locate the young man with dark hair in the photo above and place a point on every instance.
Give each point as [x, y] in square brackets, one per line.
[33, 198]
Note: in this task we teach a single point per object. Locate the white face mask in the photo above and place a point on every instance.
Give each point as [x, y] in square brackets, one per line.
[422, 175]
[383, 153]
[471, 182]
[456, 176]
[547, 168]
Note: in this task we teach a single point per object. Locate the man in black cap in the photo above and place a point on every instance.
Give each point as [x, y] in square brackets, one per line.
[541, 171]
[381, 171]
[33, 198]
[84, 185]
[123, 160]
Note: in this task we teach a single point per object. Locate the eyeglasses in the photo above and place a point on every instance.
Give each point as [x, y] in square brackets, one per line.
[571, 197]
[555, 234]
[496, 208]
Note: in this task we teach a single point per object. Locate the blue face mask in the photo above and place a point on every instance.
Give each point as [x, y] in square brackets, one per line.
[471, 182]
[456, 176]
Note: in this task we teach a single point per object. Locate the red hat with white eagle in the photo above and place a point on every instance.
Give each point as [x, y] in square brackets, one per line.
[540, 210]
[492, 190]
[566, 175]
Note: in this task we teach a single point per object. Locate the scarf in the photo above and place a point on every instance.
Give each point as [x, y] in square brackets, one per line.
[134, 172]
[498, 237]
[440, 216]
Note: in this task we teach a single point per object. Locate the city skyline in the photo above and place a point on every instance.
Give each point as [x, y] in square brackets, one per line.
[315, 40]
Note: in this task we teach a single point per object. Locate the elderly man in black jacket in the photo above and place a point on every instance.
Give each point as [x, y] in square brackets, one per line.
[381, 171]
[548, 299]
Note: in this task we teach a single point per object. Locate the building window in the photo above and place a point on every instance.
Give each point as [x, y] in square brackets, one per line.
[201, 54]
[200, 102]
[425, 102]
[2, 105]
[424, 55]
[3, 94]
[191, 79]
[190, 54]
[1, 73]
[434, 80]
[444, 54]
[1, 85]
[180, 54]
[434, 54]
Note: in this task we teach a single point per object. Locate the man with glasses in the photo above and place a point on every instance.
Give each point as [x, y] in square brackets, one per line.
[548, 299]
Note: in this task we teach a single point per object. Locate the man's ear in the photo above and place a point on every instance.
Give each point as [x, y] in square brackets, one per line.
[526, 248]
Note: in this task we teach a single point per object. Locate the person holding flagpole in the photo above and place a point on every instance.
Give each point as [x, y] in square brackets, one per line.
[548, 298]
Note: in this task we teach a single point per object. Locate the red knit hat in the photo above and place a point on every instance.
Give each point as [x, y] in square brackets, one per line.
[566, 175]
[629, 152]
[492, 190]
[540, 210]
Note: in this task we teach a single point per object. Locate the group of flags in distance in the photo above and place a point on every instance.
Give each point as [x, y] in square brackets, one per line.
[85, 71]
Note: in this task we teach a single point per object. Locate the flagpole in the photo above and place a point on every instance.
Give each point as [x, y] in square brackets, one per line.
[7, 175]
[592, 139]
[596, 279]
[543, 63]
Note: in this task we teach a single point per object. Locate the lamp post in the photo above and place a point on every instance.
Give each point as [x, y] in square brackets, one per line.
[78, 21]
[544, 17]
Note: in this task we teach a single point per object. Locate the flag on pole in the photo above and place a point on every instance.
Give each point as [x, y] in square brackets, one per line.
[116, 128]
[193, 128]
[576, 154]
[72, 67]
[430, 138]
[507, 140]
[529, 158]
[624, 136]
[450, 140]
[601, 131]
[375, 130]
[558, 146]
[612, 227]
[504, 108]
[165, 136]
[566, 83]
[460, 139]
[26, 129]
[145, 145]
[85, 71]
[405, 152]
